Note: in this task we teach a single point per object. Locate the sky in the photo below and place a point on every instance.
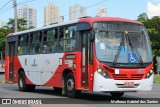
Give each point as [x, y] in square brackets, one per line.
[129, 9]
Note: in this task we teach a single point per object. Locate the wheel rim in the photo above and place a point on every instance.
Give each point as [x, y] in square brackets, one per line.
[70, 84]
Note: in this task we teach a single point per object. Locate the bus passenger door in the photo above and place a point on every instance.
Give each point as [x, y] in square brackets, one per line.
[11, 60]
[85, 58]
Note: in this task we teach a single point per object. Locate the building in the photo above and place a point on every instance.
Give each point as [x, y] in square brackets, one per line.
[2, 23]
[52, 14]
[101, 12]
[76, 11]
[29, 14]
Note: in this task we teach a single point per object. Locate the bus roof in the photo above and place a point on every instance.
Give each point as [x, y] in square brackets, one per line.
[97, 19]
[89, 20]
[45, 27]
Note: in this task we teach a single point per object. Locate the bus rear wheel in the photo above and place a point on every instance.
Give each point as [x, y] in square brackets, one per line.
[117, 94]
[70, 86]
[22, 83]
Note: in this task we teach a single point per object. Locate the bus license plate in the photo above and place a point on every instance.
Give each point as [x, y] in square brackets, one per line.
[129, 84]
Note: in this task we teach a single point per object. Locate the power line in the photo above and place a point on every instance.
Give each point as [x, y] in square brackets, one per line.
[7, 9]
[25, 2]
[5, 5]
[10, 7]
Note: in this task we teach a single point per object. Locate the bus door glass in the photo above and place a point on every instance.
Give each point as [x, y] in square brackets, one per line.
[11, 60]
[84, 49]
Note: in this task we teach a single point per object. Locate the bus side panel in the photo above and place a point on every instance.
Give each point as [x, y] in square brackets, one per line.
[78, 70]
[56, 80]
[17, 66]
[90, 77]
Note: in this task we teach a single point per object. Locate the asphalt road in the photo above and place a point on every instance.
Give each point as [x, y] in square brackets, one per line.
[11, 91]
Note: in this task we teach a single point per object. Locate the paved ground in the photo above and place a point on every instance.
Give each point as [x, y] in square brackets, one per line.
[11, 91]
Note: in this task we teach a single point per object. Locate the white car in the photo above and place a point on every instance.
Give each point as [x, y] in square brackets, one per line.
[1, 69]
[2, 66]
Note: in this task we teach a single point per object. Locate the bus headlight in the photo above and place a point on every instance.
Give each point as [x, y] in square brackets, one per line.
[149, 73]
[103, 72]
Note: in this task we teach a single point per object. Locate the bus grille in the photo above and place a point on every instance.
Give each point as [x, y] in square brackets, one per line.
[127, 77]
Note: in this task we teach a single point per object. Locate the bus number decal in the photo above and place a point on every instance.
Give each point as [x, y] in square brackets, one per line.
[69, 63]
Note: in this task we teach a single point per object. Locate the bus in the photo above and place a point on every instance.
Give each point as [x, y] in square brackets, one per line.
[93, 54]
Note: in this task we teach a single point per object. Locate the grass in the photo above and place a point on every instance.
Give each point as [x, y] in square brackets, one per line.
[156, 79]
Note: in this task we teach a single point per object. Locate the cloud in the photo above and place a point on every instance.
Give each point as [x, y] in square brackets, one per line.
[153, 9]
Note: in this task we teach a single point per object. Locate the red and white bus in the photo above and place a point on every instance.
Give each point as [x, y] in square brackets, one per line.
[95, 54]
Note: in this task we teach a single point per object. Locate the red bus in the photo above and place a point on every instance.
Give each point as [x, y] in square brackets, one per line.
[94, 54]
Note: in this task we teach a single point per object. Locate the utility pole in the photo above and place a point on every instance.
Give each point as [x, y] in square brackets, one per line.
[15, 15]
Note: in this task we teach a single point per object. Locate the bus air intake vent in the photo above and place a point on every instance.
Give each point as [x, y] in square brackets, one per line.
[127, 77]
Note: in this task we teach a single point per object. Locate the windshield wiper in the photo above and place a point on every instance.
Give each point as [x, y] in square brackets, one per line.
[134, 49]
[119, 50]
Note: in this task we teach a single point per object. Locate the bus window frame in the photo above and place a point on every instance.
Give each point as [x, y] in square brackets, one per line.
[64, 26]
[46, 30]
[40, 42]
[17, 44]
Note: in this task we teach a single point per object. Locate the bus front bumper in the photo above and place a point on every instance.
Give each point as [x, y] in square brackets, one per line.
[102, 84]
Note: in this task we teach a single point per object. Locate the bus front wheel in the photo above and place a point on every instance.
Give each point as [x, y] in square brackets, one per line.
[22, 83]
[70, 86]
[117, 94]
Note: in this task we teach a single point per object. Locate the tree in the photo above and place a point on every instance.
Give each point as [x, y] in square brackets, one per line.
[4, 31]
[153, 28]
[20, 23]
[142, 17]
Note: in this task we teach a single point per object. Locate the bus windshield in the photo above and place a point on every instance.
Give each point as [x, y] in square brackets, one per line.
[122, 43]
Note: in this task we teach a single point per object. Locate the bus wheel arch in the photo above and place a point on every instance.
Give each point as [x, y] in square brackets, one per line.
[20, 70]
[64, 74]
[22, 82]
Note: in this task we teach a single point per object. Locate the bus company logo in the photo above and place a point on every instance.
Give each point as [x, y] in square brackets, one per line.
[34, 63]
[140, 71]
[6, 101]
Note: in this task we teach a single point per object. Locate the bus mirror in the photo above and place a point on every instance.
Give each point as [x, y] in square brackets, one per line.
[92, 37]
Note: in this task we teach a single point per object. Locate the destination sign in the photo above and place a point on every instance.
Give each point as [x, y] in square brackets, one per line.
[116, 26]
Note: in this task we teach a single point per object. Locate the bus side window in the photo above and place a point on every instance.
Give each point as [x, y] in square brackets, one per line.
[50, 41]
[31, 46]
[44, 48]
[53, 40]
[61, 39]
[71, 43]
[22, 44]
[67, 38]
[35, 42]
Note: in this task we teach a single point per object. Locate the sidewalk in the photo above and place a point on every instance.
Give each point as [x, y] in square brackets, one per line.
[2, 78]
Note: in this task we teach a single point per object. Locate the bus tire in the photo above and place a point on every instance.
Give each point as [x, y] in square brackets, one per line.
[117, 94]
[22, 83]
[70, 86]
